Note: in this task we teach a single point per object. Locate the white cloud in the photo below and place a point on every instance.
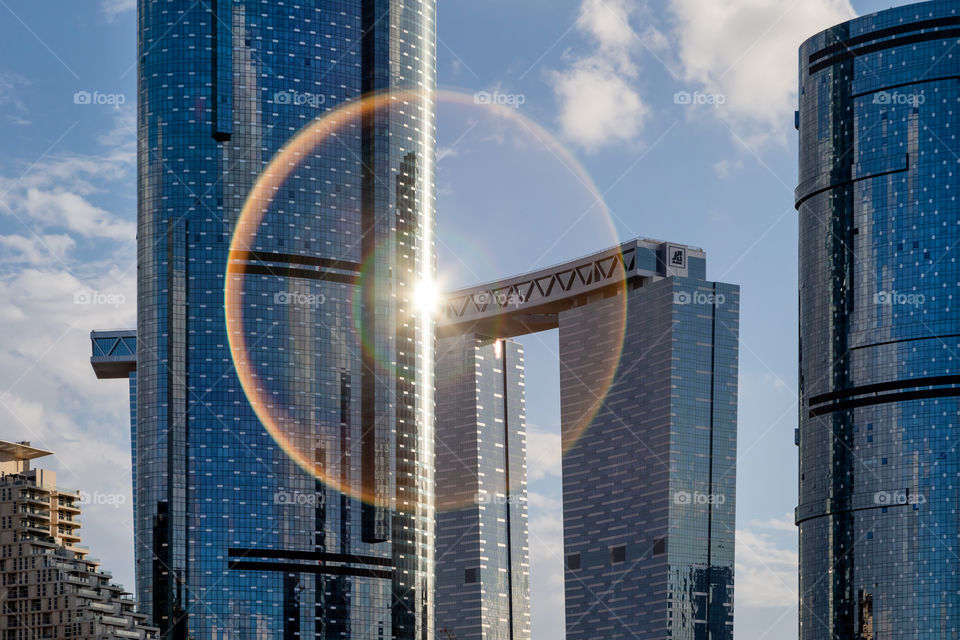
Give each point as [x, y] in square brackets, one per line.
[123, 136]
[81, 174]
[446, 152]
[766, 571]
[608, 22]
[746, 50]
[724, 168]
[73, 212]
[54, 195]
[655, 41]
[783, 523]
[39, 250]
[113, 8]
[546, 566]
[48, 392]
[551, 505]
[598, 103]
[11, 86]
[544, 454]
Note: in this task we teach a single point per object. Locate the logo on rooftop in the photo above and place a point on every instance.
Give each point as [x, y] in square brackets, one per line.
[676, 257]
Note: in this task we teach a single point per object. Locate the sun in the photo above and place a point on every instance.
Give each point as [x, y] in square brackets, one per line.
[427, 297]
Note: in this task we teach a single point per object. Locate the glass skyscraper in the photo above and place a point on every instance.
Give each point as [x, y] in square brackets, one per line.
[329, 535]
[879, 223]
[649, 485]
[483, 566]
[648, 390]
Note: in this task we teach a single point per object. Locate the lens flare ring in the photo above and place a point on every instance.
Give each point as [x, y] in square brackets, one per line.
[427, 297]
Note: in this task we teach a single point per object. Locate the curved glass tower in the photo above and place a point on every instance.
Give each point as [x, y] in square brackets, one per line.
[234, 539]
[879, 326]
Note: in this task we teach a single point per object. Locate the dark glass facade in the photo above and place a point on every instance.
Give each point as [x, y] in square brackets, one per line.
[235, 540]
[878, 118]
[483, 566]
[649, 487]
[648, 391]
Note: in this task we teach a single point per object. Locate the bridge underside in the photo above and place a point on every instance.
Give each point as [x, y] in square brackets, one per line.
[523, 321]
[533, 302]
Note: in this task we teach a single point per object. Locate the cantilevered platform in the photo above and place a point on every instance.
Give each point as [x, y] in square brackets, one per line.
[114, 353]
[20, 451]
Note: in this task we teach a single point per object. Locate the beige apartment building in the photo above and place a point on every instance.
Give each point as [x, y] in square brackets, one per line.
[49, 587]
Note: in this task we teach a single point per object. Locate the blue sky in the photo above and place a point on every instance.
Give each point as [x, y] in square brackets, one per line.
[600, 76]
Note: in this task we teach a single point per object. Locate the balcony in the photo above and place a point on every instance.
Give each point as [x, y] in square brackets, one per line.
[34, 513]
[68, 535]
[34, 499]
[33, 528]
[69, 507]
[114, 621]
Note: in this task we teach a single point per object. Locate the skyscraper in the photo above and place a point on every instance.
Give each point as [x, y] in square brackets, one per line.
[649, 485]
[322, 527]
[51, 587]
[483, 566]
[648, 374]
[879, 227]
